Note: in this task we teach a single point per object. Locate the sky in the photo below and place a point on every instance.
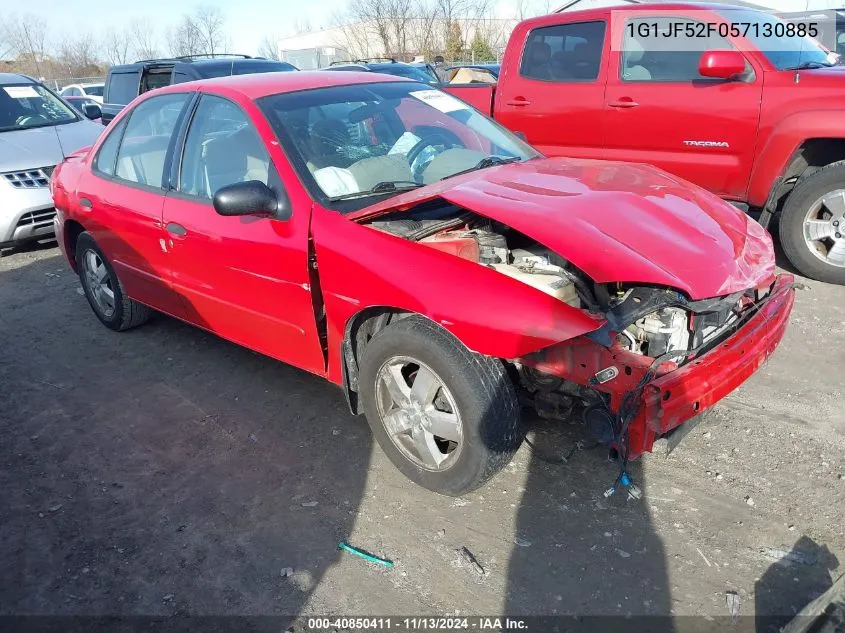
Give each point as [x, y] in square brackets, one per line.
[248, 21]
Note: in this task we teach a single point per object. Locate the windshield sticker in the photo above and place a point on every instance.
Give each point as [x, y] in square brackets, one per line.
[440, 100]
[21, 92]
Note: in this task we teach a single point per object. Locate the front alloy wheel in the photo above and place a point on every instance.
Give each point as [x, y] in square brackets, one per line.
[446, 417]
[419, 413]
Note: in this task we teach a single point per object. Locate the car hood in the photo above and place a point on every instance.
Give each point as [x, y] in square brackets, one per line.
[44, 146]
[617, 222]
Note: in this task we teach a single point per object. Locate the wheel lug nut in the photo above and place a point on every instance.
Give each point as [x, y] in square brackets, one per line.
[835, 223]
[838, 235]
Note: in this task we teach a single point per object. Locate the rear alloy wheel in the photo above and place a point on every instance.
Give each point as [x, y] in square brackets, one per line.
[812, 225]
[103, 289]
[446, 417]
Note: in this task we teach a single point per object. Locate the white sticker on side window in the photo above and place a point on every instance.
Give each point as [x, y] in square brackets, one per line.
[439, 100]
[20, 92]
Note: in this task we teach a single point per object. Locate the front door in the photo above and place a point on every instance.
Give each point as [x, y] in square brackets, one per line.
[557, 94]
[245, 278]
[660, 110]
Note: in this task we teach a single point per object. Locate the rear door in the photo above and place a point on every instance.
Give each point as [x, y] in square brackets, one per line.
[123, 195]
[555, 96]
[661, 111]
[245, 278]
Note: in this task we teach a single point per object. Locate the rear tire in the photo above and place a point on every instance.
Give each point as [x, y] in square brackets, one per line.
[804, 206]
[470, 400]
[103, 289]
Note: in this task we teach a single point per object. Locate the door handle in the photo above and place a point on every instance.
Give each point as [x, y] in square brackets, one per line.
[518, 101]
[624, 102]
[176, 229]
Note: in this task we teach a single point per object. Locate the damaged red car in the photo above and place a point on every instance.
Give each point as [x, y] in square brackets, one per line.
[387, 237]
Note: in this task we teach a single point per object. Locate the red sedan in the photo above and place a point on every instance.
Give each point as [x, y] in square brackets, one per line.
[389, 238]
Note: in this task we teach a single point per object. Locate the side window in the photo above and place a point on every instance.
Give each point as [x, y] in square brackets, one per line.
[73, 92]
[122, 88]
[107, 154]
[649, 56]
[222, 148]
[144, 148]
[564, 52]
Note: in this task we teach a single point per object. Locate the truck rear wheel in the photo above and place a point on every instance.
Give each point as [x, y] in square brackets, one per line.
[812, 225]
[446, 417]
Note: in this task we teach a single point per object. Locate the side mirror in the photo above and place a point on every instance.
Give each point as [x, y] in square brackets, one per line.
[91, 111]
[521, 136]
[721, 64]
[251, 198]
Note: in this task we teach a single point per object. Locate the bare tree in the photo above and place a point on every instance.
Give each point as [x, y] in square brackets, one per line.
[117, 46]
[353, 35]
[144, 40]
[26, 38]
[424, 37]
[184, 39]
[78, 54]
[269, 47]
[210, 25]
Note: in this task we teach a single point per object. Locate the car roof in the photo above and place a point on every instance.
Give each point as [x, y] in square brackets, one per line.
[14, 78]
[259, 85]
[645, 7]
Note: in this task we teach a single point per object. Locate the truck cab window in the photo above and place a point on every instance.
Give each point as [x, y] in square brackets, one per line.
[564, 52]
[648, 56]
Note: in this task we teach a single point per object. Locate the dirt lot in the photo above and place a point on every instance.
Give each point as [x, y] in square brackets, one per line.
[166, 471]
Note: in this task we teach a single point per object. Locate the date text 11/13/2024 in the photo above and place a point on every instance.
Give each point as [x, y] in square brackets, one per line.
[416, 624]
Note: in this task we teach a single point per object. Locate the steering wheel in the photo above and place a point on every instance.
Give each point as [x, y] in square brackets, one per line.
[435, 138]
[418, 161]
[35, 118]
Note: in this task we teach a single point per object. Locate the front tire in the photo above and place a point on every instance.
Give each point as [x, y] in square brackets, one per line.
[812, 225]
[103, 289]
[446, 417]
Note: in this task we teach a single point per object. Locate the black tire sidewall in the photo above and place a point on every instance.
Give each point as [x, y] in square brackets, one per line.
[791, 223]
[83, 244]
[492, 430]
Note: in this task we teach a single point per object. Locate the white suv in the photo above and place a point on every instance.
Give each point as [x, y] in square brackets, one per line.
[37, 131]
[95, 91]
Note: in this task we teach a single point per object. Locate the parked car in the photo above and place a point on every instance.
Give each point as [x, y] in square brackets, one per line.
[472, 73]
[417, 71]
[93, 91]
[37, 130]
[87, 107]
[386, 236]
[755, 121]
[127, 81]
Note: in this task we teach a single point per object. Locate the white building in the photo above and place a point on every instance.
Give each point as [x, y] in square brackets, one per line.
[360, 40]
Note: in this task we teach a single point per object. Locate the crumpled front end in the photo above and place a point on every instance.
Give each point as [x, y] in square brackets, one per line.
[641, 388]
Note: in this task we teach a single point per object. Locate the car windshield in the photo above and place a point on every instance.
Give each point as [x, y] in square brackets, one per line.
[352, 144]
[94, 91]
[784, 53]
[24, 106]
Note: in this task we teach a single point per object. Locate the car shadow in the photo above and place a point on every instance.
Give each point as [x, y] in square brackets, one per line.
[801, 575]
[161, 470]
[579, 553]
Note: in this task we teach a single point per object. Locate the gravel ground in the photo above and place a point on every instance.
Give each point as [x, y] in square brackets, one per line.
[165, 471]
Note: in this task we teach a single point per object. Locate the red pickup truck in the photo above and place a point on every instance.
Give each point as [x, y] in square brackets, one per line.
[758, 121]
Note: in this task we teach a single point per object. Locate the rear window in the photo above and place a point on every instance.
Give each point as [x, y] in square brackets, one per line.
[564, 52]
[122, 87]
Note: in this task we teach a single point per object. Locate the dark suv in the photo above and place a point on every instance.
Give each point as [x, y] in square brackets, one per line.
[127, 81]
[422, 72]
